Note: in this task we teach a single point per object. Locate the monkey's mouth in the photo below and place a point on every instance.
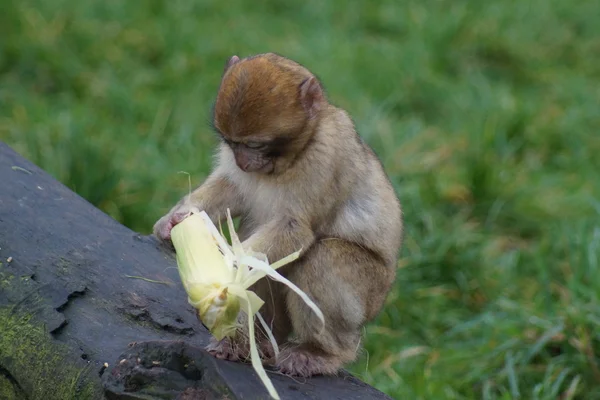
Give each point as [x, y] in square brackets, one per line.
[265, 168]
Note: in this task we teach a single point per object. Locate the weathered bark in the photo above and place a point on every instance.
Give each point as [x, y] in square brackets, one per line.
[67, 307]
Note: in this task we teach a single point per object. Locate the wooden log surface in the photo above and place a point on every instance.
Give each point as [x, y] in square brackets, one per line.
[73, 325]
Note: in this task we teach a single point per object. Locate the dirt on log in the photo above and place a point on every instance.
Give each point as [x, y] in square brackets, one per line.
[77, 322]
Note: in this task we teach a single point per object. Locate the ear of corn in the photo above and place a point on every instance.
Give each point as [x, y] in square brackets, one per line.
[216, 277]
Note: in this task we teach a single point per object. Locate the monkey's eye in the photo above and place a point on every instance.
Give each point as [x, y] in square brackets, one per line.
[230, 143]
[256, 145]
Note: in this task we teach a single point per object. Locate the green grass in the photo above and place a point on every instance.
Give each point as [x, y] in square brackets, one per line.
[485, 114]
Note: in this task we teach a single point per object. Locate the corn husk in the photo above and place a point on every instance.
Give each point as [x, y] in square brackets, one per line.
[216, 277]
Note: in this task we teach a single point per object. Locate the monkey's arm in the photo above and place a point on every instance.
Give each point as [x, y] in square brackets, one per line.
[214, 196]
[281, 237]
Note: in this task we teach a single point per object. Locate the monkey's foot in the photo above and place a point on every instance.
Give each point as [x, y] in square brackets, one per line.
[300, 361]
[227, 350]
[266, 352]
[234, 351]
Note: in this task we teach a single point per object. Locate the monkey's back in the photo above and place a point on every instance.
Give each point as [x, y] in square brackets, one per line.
[370, 215]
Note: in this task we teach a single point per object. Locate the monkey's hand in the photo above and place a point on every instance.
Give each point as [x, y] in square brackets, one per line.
[162, 228]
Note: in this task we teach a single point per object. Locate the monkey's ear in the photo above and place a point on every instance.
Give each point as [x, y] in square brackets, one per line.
[311, 96]
[230, 62]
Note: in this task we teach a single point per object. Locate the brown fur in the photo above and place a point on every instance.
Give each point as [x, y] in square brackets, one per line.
[316, 186]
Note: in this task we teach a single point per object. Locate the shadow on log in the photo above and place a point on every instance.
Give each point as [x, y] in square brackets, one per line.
[75, 323]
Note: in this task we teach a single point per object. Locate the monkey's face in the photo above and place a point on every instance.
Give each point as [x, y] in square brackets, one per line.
[252, 156]
[265, 112]
[262, 155]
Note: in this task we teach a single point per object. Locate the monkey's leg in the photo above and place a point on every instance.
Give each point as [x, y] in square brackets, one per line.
[349, 284]
[275, 315]
[273, 312]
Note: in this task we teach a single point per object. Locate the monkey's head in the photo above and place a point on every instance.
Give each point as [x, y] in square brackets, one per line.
[266, 111]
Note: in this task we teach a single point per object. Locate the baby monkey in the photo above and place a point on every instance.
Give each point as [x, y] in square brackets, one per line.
[293, 168]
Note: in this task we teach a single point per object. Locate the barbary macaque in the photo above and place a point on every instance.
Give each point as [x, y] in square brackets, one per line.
[292, 167]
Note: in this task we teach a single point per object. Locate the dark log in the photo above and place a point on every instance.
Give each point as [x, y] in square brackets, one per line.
[73, 325]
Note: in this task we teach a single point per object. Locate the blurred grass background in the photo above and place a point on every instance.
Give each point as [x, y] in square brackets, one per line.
[485, 114]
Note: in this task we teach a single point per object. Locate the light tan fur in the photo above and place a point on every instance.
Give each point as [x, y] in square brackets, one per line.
[325, 192]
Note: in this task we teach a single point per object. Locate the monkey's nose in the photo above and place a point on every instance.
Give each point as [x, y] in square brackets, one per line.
[244, 166]
[243, 161]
